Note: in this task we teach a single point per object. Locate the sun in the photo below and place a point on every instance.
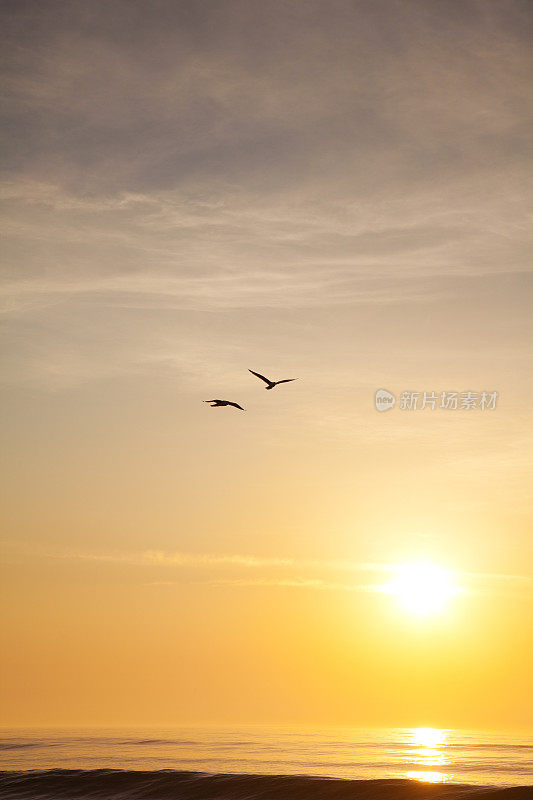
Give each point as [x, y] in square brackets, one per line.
[423, 589]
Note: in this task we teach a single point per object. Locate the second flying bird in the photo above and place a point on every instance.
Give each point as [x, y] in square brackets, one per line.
[270, 384]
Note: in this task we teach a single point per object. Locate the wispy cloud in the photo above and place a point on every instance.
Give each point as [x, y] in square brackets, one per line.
[294, 162]
[248, 570]
[223, 161]
[163, 558]
[172, 559]
[240, 251]
[292, 583]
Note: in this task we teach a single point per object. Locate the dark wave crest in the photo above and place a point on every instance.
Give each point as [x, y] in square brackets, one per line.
[106, 784]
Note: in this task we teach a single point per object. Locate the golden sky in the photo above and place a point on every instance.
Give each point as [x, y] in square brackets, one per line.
[334, 191]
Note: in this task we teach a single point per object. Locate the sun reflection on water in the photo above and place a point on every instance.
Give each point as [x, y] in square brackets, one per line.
[429, 752]
[427, 777]
[428, 737]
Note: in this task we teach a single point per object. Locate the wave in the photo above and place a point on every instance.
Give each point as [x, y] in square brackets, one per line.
[107, 784]
[19, 745]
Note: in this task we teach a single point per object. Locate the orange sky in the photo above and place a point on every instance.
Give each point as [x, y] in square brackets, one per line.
[333, 192]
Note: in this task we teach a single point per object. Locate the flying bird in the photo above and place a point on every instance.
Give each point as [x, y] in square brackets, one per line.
[271, 384]
[218, 403]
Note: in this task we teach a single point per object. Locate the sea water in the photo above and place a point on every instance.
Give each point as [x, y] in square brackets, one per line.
[427, 755]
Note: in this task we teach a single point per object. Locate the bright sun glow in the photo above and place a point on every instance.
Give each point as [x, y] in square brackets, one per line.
[423, 589]
[430, 752]
[428, 737]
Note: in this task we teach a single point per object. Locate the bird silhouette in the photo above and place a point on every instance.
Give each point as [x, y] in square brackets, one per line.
[219, 403]
[270, 384]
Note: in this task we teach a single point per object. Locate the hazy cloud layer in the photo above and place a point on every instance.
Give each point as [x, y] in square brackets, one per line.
[230, 156]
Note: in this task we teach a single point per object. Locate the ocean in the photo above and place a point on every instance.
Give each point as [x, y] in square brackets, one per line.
[262, 762]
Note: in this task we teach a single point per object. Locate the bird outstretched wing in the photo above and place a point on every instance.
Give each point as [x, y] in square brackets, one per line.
[287, 380]
[236, 405]
[257, 375]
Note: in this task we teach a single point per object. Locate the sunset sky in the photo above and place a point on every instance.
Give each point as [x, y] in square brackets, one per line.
[334, 191]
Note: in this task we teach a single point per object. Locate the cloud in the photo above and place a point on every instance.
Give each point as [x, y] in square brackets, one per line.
[249, 571]
[294, 583]
[241, 251]
[207, 560]
[250, 158]
[144, 96]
